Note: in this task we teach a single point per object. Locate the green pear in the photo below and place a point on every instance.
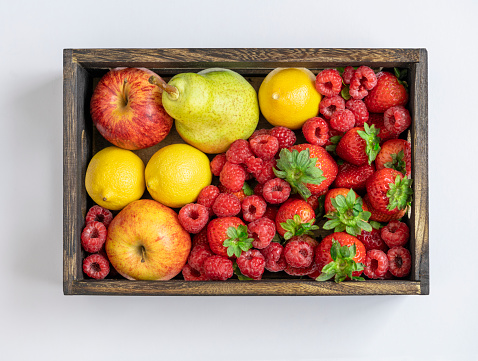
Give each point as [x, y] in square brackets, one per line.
[212, 108]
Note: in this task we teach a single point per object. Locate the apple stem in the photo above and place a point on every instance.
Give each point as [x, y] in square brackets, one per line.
[142, 254]
[124, 92]
[172, 91]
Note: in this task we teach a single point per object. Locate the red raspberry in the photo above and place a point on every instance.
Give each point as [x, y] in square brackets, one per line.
[388, 275]
[218, 268]
[96, 266]
[226, 205]
[258, 189]
[263, 231]
[400, 261]
[376, 264]
[285, 136]
[238, 151]
[342, 120]
[377, 120]
[271, 212]
[274, 256]
[198, 255]
[253, 207]
[348, 74]
[99, 214]
[395, 234]
[299, 254]
[239, 194]
[363, 80]
[232, 176]
[207, 196]
[200, 238]
[316, 131]
[328, 82]
[276, 191]
[190, 274]
[397, 119]
[259, 132]
[359, 109]
[193, 217]
[329, 105]
[313, 269]
[251, 264]
[264, 146]
[266, 173]
[93, 236]
[372, 240]
[217, 163]
[254, 165]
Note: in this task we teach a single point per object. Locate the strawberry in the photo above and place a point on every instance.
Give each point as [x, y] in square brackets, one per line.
[359, 145]
[388, 92]
[245, 191]
[308, 168]
[380, 216]
[227, 236]
[389, 191]
[395, 154]
[295, 217]
[353, 176]
[377, 120]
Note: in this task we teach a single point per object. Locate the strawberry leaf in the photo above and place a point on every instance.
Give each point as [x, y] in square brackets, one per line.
[372, 141]
[399, 193]
[238, 241]
[345, 92]
[397, 162]
[295, 227]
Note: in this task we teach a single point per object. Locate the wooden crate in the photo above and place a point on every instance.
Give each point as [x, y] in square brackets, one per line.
[83, 68]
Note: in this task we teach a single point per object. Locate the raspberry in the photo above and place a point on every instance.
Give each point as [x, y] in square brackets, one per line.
[253, 207]
[251, 264]
[267, 171]
[232, 176]
[285, 136]
[314, 268]
[264, 146]
[376, 264]
[190, 274]
[198, 255]
[193, 217]
[316, 131]
[276, 191]
[274, 256]
[254, 165]
[263, 231]
[395, 234]
[217, 163]
[359, 110]
[258, 189]
[342, 120]
[238, 151]
[363, 80]
[299, 254]
[93, 236]
[271, 212]
[200, 238]
[96, 266]
[207, 196]
[328, 82]
[400, 261]
[348, 74]
[259, 132]
[226, 205]
[397, 119]
[239, 194]
[99, 214]
[329, 105]
[372, 240]
[387, 276]
[218, 268]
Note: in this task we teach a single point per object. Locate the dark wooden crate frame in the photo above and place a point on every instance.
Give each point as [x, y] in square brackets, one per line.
[80, 64]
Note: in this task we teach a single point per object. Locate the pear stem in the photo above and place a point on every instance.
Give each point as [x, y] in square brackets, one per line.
[142, 254]
[172, 91]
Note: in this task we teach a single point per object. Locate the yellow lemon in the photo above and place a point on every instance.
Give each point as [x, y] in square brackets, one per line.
[287, 97]
[115, 178]
[176, 174]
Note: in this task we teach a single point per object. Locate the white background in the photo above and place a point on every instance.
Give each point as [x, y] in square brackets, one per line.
[38, 322]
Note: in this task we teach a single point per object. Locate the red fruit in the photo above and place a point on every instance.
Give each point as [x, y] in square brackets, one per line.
[329, 105]
[395, 234]
[342, 120]
[267, 171]
[376, 264]
[226, 205]
[253, 207]
[200, 238]
[271, 212]
[303, 271]
[363, 80]
[264, 146]
[262, 231]
[298, 254]
[328, 82]
[259, 132]
[353, 176]
[218, 268]
[372, 240]
[251, 264]
[226, 234]
[99, 214]
[218, 163]
[377, 120]
[241, 194]
[388, 191]
[258, 189]
[380, 216]
[316, 131]
[274, 257]
[96, 266]
[333, 193]
[348, 74]
[359, 145]
[238, 151]
[207, 196]
[359, 110]
[276, 191]
[395, 154]
[400, 261]
[198, 255]
[93, 236]
[232, 176]
[254, 165]
[190, 274]
[297, 216]
[193, 217]
[388, 92]
[285, 136]
[397, 119]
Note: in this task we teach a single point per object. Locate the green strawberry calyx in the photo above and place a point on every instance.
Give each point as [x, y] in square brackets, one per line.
[342, 265]
[401, 75]
[239, 274]
[349, 215]
[238, 241]
[298, 169]
[400, 193]
[248, 191]
[372, 141]
[397, 162]
[295, 227]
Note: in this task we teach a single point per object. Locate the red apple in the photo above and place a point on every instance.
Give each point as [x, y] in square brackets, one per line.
[127, 109]
[146, 242]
